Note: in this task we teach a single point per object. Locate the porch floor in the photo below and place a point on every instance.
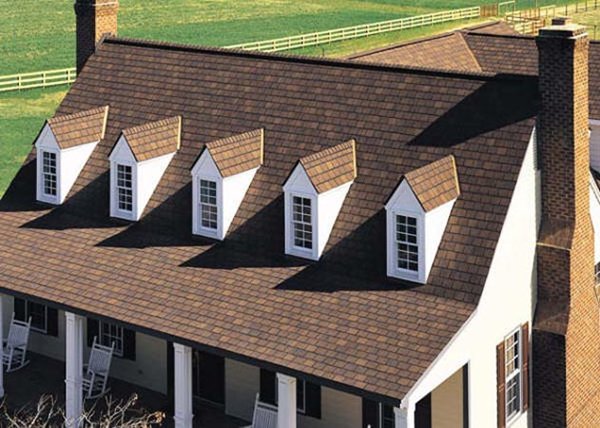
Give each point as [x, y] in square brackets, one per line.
[44, 375]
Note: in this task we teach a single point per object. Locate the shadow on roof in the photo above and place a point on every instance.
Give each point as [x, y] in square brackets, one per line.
[20, 195]
[491, 107]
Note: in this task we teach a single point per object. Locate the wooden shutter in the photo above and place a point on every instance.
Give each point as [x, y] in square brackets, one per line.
[93, 330]
[370, 411]
[129, 344]
[313, 400]
[423, 412]
[267, 386]
[19, 309]
[52, 321]
[525, 364]
[501, 385]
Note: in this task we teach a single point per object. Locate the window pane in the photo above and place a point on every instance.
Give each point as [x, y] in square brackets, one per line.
[302, 222]
[37, 312]
[387, 416]
[124, 188]
[49, 173]
[512, 354]
[208, 204]
[407, 243]
[112, 333]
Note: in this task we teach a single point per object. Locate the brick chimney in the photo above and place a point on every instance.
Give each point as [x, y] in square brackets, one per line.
[95, 18]
[566, 335]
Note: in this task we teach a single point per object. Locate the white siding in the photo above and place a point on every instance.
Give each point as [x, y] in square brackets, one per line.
[507, 301]
[447, 403]
[338, 410]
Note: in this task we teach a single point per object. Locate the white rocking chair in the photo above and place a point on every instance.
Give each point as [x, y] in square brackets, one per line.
[265, 415]
[15, 346]
[96, 372]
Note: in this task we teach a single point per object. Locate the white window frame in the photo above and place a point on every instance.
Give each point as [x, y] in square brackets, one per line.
[119, 352]
[294, 223]
[299, 383]
[308, 253]
[517, 372]
[392, 246]
[42, 195]
[208, 230]
[114, 191]
[118, 188]
[28, 314]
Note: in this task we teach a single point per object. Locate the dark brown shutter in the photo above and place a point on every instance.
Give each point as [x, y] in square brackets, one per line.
[525, 357]
[501, 380]
[423, 412]
[93, 330]
[129, 344]
[267, 386]
[369, 413]
[52, 322]
[313, 400]
[19, 309]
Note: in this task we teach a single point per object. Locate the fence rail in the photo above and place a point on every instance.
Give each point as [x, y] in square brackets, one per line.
[40, 79]
[347, 33]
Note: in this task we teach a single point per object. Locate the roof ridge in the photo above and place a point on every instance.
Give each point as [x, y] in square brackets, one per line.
[151, 125]
[331, 62]
[77, 115]
[502, 36]
[233, 138]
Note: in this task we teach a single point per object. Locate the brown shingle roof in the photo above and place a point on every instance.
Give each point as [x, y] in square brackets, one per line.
[238, 153]
[154, 139]
[78, 128]
[242, 297]
[494, 51]
[331, 167]
[436, 183]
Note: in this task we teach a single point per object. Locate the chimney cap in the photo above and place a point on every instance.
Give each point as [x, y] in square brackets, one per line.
[564, 31]
[562, 20]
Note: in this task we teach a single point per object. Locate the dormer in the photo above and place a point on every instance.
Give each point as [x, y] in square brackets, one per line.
[138, 161]
[313, 197]
[417, 214]
[221, 177]
[63, 147]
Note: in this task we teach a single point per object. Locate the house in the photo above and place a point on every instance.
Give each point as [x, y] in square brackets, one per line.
[359, 244]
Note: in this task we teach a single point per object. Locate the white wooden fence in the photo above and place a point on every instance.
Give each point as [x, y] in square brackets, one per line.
[347, 33]
[40, 79]
[43, 79]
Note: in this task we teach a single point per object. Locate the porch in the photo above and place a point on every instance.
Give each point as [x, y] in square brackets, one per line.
[45, 375]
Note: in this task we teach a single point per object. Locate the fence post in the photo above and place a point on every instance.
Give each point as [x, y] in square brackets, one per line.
[44, 79]
[19, 78]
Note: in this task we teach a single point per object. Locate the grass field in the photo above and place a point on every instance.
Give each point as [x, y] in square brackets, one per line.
[39, 34]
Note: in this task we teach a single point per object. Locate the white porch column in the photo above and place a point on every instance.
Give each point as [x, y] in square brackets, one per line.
[74, 369]
[183, 386]
[1, 346]
[405, 418]
[286, 401]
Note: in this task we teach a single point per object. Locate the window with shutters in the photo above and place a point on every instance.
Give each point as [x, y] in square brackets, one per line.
[112, 333]
[512, 373]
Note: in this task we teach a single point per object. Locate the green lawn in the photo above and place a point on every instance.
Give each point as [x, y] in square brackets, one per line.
[39, 34]
[21, 117]
[591, 19]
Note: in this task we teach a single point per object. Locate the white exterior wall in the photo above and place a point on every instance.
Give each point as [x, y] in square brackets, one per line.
[234, 190]
[507, 301]
[329, 205]
[148, 370]
[149, 174]
[447, 403]
[435, 225]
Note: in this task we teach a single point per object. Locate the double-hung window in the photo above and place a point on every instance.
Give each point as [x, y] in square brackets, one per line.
[124, 188]
[49, 177]
[302, 222]
[39, 316]
[513, 365]
[208, 204]
[407, 246]
[112, 333]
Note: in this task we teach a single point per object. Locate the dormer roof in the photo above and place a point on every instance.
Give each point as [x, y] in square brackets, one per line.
[238, 153]
[331, 167]
[154, 139]
[83, 127]
[435, 183]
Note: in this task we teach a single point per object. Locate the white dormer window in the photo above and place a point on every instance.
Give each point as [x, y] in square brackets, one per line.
[221, 177]
[125, 187]
[314, 194]
[63, 147]
[417, 214]
[137, 163]
[209, 213]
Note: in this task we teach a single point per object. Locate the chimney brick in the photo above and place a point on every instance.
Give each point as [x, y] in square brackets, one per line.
[566, 336]
[95, 19]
